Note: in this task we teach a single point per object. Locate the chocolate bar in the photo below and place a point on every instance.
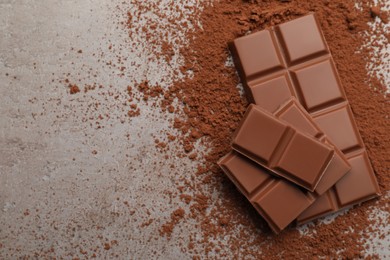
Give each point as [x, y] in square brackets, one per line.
[293, 60]
[264, 190]
[281, 148]
[278, 201]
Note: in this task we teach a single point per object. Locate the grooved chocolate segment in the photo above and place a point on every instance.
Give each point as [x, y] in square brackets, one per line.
[340, 127]
[271, 93]
[259, 63]
[317, 84]
[309, 74]
[246, 174]
[277, 201]
[259, 135]
[294, 114]
[337, 168]
[323, 205]
[358, 185]
[277, 194]
[278, 147]
[301, 39]
[316, 159]
[355, 187]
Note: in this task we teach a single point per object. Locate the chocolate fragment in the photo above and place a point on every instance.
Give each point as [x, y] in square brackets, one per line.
[293, 59]
[294, 114]
[355, 187]
[282, 149]
[278, 201]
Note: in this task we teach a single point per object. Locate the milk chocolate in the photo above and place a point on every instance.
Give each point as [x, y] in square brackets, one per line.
[278, 201]
[293, 59]
[281, 148]
[294, 114]
[252, 180]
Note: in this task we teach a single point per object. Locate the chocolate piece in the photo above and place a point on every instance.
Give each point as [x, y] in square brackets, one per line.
[294, 114]
[293, 59]
[279, 147]
[284, 202]
[353, 188]
[278, 201]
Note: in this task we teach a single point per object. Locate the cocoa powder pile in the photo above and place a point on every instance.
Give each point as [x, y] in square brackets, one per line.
[213, 106]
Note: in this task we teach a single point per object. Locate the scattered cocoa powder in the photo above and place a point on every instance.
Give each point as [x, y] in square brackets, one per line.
[377, 12]
[176, 216]
[146, 223]
[73, 89]
[133, 113]
[107, 246]
[214, 106]
[186, 198]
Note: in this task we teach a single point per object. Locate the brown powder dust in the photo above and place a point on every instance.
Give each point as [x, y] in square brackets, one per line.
[73, 89]
[213, 107]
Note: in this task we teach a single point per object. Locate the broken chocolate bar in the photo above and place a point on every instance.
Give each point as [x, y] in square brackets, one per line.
[293, 59]
[281, 148]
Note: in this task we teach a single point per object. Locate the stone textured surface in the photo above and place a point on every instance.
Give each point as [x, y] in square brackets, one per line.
[66, 187]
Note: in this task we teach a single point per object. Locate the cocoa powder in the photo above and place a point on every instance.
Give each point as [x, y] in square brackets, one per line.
[73, 89]
[213, 107]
